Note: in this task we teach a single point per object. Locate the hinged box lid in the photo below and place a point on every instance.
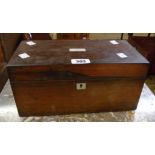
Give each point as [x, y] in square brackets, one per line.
[67, 59]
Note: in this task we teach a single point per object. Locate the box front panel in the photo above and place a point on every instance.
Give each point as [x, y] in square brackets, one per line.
[65, 97]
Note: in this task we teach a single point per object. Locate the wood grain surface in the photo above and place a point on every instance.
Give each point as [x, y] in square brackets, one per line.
[45, 83]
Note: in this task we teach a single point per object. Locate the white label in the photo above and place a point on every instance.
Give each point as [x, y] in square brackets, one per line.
[122, 55]
[80, 61]
[114, 42]
[77, 50]
[24, 55]
[30, 43]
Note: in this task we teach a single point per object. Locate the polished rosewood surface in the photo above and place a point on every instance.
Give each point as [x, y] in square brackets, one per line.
[47, 52]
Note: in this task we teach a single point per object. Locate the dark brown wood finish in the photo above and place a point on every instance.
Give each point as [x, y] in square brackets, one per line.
[3, 77]
[3, 72]
[8, 43]
[45, 83]
[36, 36]
[54, 52]
[60, 36]
[72, 36]
[146, 46]
[1, 56]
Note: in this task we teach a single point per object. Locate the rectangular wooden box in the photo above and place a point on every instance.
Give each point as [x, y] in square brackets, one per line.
[48, 83]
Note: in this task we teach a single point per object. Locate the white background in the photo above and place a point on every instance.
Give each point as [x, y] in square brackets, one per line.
[91, 16]
[77, 16]
[77, 138]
